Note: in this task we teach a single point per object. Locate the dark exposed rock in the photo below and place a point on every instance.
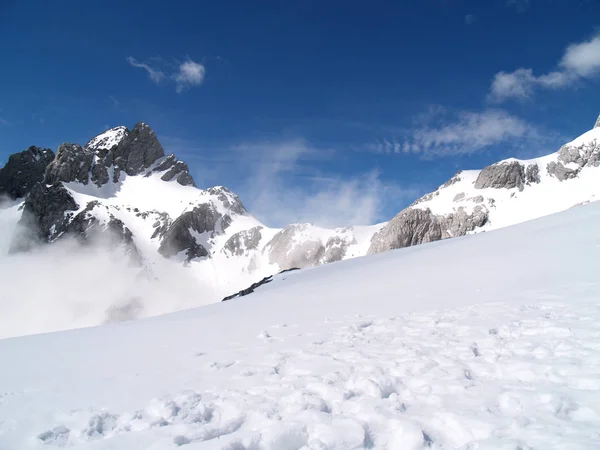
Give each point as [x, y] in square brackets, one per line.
[254, 286]
[250, 289]
[137, 151]
[584, 155]
[506, 175]
[230, 200]
[455, 179]
[335, 250]
[459, 197]
[161, 226]
[532, 174]
[412, 226]
[100, 167]
[175, 169]
[201, 219]
[241, 242]
[71, 164]
[415, 226]
[23, 170]
[87, 229]
[561, 172]
[44, 216]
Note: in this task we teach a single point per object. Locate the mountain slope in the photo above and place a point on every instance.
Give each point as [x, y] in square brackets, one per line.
[486, 341]
[122, 192]
[503, 194]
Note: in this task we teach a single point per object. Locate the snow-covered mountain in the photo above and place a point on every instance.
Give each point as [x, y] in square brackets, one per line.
[482, 342]
[122, 187]
[122, 190]
[502, 194]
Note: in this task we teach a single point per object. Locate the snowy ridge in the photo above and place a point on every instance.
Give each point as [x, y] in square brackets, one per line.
[108, 139]
[321, 359]
[509, 206]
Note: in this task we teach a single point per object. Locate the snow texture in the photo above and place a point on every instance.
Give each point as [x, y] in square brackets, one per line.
[480, 342]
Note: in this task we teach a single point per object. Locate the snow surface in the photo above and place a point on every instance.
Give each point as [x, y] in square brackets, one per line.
[482, 342]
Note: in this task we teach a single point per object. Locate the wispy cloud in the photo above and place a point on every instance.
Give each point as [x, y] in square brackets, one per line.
[155, 75]
[184, 75]
[283, 181]
[470, 19]
[283, 187]
[4, 122]
[190, 74]
[579, 61]
[462, 133]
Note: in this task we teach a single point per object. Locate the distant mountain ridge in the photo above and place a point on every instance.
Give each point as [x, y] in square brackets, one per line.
[122, 188]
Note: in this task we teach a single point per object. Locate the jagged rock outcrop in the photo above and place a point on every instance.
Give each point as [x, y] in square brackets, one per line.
[415, 226]
[561, 172]
[505, 175]
[181, 235]
[137, 151]
[175, 169]
[335, 250]
[230, 200]
[287, 251]
[243, 241]
[597, 125]
[45, 216]
[249, 290]
[532, 174]
[71, 164]
[23, 171]
[87, 228]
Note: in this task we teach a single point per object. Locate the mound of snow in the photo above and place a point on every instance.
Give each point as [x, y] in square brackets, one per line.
[485, 341]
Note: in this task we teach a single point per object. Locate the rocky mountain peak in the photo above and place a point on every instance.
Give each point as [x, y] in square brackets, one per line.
[597, 122]
[23, 170]
[138, 150]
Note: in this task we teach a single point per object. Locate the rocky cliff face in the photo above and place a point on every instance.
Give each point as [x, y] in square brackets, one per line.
[23, 171]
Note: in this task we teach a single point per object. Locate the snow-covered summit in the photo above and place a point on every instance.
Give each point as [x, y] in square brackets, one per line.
[108, 139]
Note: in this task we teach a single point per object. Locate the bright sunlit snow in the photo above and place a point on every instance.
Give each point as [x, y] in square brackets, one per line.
[482, 342]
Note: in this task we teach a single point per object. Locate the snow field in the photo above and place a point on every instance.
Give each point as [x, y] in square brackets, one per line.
[488, 376]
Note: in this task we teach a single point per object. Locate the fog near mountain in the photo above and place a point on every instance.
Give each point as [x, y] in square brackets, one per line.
[70, 285]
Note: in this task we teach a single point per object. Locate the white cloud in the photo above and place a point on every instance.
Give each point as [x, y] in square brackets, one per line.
[186, 75]
[465, 133]
[282, 186]
[470, 19]
[579, 61]
[583, 59]
[4, 122]
[155, 75]
[190, 74]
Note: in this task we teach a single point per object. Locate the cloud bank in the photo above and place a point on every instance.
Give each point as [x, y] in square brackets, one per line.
[66, 285]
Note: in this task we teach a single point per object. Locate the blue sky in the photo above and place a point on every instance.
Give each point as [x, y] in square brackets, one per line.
[323, 111]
